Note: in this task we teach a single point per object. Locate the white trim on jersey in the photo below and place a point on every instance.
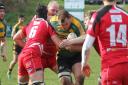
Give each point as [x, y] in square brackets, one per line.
[120, 10]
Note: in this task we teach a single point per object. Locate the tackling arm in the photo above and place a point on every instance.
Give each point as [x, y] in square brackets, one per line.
[18, 38]
[56, 40]
[86, 49]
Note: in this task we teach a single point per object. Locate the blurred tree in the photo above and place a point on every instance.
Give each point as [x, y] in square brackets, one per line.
[22, 1]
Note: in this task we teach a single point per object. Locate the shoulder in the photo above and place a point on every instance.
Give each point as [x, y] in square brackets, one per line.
[77, 23]
[54, 21]
[2, 24]
[75, 20]
[54, 18]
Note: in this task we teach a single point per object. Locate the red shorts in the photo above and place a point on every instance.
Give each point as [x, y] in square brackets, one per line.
[49, 61]
[28, 63]
[115, 75]
[50, 48]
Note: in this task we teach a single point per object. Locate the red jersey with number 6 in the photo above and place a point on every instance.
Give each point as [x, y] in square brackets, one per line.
[34, 32]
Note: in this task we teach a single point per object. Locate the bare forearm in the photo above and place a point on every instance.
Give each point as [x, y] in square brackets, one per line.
[74, 48]
[20, 43]
[78, 40]
[56, 40]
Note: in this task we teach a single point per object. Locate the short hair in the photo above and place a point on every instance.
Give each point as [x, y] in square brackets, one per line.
[53, 2]
[2, 6]
[62, 14]
[21, 16]
[41, 11]
[109, 0]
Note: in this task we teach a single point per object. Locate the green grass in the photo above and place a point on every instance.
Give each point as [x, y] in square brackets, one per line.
[50, 77]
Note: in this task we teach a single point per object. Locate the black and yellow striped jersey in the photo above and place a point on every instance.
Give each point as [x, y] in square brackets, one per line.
[17, 26]
[76, 26]
[2, 29]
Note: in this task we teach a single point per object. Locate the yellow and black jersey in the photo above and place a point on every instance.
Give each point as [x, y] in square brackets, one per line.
[17, 26]
[76, 27]
[2, 29]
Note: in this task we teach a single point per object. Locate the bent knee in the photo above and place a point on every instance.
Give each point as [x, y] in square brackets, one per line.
[38, 83]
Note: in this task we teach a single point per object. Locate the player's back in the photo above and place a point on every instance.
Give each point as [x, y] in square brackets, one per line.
[37, 31]
[113, 36]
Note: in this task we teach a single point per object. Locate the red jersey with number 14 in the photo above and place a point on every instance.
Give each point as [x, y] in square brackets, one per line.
[112, 35]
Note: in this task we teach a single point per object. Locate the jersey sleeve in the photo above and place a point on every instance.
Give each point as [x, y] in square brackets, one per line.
[51, 30]
[93, 30]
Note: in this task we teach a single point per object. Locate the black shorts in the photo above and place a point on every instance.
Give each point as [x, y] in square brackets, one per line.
[16, 49]
[65, 63]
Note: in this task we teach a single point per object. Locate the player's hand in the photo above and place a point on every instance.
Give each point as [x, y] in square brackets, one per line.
[64, 43]
[86, 70]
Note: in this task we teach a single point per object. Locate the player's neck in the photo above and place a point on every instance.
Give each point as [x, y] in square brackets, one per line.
[109, 3]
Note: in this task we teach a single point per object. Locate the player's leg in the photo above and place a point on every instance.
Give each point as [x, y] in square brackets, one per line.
[3, 49]
[52, 63]
[37, 78]
[112, 75]
[16, 51]
[34, 67]
[23, 77]
[11, 66]
[125, 73]
[76, 69]
[79, 77]
[64, 72]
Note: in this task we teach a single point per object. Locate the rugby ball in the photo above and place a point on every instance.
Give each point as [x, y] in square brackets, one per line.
[71, 36]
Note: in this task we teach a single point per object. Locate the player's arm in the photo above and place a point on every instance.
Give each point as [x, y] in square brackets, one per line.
[88, 43]
[18, 38]
[77, 40]
[81, 38]
[75, 43]
[56, 40]
[53, 35]
[14, 30]
[74, 48]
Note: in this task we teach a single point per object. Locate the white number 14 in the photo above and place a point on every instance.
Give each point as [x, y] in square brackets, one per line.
[120, 37]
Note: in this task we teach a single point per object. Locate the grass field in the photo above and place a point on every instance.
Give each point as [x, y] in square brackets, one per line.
[50, 77]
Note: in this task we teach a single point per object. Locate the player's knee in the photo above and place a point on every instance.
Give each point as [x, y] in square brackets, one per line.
[22, 83]
[65, 76]
[66, 80]
[80, 77]
[38, 83]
